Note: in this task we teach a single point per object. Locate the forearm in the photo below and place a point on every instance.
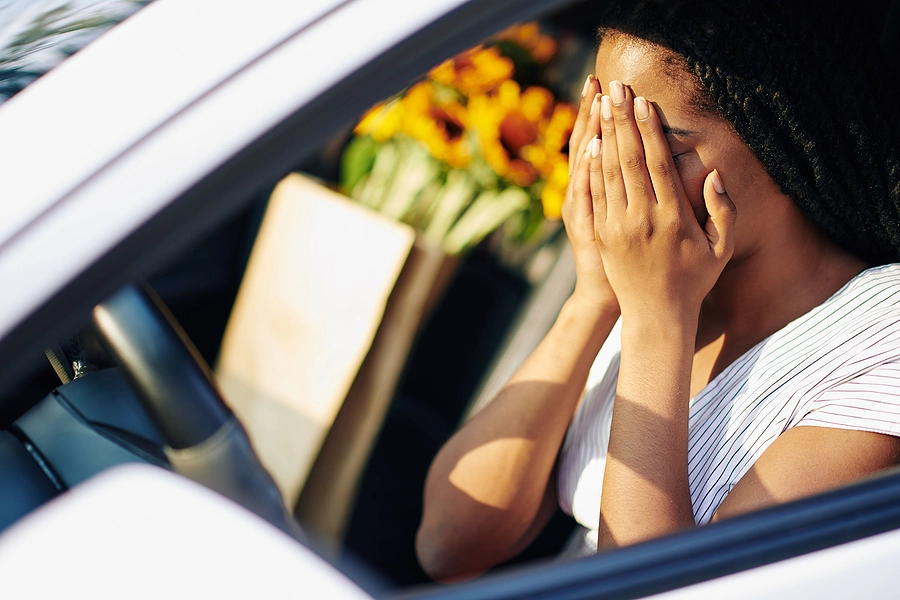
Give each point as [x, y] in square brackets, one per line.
[645, 485]
[487, 484]
[519, 433]
[661, 263]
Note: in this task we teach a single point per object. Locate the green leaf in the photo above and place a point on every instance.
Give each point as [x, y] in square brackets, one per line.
[451, 201]
[358, 158]
[416, 168]
[489, 210]
[381, 176]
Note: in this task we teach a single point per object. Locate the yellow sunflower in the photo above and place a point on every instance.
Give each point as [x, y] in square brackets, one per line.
[474, 71]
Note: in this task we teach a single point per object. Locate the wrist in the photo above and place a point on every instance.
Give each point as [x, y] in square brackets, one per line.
[660, 328]
[651, 312]
[655, 366]
[586, 323]
[593, 306]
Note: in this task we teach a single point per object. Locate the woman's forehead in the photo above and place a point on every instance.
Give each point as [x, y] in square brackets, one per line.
[655, 73]
[641, 65]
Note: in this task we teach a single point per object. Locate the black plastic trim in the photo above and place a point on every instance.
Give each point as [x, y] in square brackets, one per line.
[782, 532]
[39, 459]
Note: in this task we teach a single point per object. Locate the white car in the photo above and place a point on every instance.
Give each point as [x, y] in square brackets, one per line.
[157, 134]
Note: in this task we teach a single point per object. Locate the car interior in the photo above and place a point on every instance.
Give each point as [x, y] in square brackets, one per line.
[132, 381]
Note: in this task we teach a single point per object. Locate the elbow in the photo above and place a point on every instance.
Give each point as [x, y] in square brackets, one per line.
[439, 562]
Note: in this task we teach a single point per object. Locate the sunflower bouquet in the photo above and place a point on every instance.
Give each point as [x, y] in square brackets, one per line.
[470, 149]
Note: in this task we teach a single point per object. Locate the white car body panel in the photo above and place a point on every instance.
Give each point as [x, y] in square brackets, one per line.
[865, 568]
[140, 532]
[112, 532]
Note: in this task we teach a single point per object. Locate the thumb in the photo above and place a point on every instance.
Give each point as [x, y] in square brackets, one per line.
[722, 213]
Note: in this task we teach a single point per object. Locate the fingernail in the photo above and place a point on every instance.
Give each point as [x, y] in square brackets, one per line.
[594, 103]
[617, 91]
[717, 182]
[595, 147]
[587, 82]
[605, 108]
[641, 108]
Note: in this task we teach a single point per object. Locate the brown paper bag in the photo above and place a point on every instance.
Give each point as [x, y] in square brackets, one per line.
[327, 501]
[312, 298]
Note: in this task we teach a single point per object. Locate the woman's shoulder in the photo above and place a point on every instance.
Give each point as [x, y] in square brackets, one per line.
[872, 295]
[880, 275]
[873, 280]
[855, 330]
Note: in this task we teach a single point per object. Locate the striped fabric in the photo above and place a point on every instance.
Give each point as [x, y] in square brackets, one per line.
[837, 366]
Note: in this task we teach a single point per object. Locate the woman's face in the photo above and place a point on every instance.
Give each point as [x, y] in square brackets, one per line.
[699, 141]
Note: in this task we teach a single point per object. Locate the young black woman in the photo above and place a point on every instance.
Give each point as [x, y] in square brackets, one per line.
[733, 340]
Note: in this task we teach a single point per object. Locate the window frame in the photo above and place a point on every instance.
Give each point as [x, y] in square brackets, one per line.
[790, 530]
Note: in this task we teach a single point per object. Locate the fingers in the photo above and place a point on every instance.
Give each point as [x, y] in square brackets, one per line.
[664, 177]
[722, 215]
[598, 188]
[581, 119]
[630, 148]
[644, 226]
[579, 199]
[592, 126]
[583, 129]
[613, 183]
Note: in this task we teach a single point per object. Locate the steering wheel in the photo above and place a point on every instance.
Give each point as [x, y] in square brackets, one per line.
[205, 440]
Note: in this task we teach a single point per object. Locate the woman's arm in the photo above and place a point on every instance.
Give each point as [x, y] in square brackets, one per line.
[487, 486]
[661, 264]
[807, 460]
[490, 490]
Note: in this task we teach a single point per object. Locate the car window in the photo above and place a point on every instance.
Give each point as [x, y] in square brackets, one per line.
[37, 36]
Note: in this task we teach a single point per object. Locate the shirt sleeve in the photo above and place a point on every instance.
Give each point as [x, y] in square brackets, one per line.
[868, 402]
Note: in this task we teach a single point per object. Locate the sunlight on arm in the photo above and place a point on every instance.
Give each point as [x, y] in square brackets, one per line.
[476, 474]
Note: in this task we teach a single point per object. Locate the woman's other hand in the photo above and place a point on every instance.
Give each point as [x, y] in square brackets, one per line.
[592, 286]
[659, 260]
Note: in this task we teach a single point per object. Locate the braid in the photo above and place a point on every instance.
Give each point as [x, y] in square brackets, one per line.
[806, 92]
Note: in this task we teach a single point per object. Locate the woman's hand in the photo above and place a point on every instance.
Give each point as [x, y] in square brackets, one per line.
[659, 261]
[592, 285]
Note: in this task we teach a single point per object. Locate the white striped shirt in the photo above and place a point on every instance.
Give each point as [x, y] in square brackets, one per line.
[836, 366]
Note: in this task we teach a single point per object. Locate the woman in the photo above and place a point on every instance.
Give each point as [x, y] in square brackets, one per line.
[733, 210]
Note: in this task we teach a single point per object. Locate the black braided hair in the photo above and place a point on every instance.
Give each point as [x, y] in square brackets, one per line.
[805, 89]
